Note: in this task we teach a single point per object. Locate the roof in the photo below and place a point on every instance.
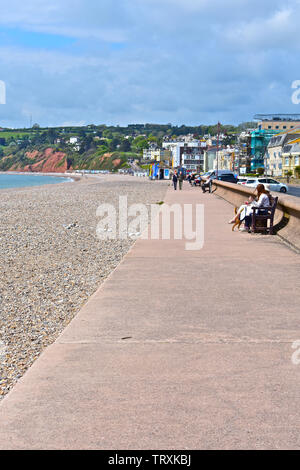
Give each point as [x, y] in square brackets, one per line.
[295, 141]
[293, 146]
[277, 117]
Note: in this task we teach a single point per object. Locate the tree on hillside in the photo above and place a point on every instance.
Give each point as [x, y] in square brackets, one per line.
[113, 144]
[152, 138]
[52, 135]
[125, 146]
[139, 144]
[87, 144]
[107, 133]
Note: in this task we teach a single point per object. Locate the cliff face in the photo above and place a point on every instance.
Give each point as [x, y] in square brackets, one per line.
[47, 161]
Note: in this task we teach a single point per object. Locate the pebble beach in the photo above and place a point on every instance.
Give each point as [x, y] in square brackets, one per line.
[52, 260]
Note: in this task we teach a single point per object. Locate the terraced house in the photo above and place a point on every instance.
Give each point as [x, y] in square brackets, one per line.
[276, 162]
[291, 157]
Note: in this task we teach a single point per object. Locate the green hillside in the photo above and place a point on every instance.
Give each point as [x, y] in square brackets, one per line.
[96, 147]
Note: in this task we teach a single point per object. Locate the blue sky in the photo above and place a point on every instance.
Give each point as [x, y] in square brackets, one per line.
[133, 61]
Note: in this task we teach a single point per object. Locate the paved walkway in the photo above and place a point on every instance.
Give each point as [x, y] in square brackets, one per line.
[207, 359]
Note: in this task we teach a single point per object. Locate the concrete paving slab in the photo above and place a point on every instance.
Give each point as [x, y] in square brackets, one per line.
[186, 396]
[176, 350]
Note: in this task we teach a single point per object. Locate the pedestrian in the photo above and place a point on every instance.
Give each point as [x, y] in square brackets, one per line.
[175, 179]
[180, 178]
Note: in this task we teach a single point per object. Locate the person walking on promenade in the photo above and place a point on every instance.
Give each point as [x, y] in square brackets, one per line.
[175, 179]
[180, 178]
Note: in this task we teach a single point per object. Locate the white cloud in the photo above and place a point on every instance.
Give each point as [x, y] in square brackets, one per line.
[277, 30]
[182, 61]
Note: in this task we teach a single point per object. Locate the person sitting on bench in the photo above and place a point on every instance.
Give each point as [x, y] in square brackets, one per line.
[206, 184]
[263, 200]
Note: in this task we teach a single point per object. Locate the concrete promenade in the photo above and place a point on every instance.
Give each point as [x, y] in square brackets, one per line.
[207, 359]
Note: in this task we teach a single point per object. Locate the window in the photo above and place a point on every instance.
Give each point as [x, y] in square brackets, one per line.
[269, 127]
[287, 161]
[277, 127]
[284, 127]
[297, 160]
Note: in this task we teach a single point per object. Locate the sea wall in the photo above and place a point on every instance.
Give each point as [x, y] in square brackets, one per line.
[287, 215]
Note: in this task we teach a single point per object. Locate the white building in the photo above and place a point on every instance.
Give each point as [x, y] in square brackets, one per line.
[179, 148]
[193, 161]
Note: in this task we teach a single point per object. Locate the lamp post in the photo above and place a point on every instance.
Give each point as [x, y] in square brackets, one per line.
[218, 141]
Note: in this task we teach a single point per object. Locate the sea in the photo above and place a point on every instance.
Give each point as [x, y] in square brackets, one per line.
[21, 181]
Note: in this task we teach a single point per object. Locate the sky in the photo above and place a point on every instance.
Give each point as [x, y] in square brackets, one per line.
[118, 62]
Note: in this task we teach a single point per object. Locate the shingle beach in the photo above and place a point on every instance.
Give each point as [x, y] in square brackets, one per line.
[52, 260]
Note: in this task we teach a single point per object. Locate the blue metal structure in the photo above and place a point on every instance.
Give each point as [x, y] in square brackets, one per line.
[259, 142]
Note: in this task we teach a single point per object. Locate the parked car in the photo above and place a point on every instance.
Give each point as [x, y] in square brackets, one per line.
[272, 184]
[223, 175]
[228, 178]
[212, 174]
[242, 180]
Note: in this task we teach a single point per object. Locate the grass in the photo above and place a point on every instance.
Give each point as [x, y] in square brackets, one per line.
[14, 134]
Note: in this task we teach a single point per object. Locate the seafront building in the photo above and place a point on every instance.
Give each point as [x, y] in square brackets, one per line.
[291, 158]
[260, 139]
[277, 122]
[225, 159]
[186, 151]
[243, 155]
[263, 147]
[209, 157]
[273, 159]
[279, 144]
[193, 159]
[157, 154]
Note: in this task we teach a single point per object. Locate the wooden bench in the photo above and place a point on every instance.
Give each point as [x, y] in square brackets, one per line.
[260, 221]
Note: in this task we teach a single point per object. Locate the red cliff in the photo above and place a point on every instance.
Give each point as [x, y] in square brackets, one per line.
[48, 161]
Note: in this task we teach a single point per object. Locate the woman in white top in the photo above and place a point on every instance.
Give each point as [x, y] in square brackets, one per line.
[263, 200]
